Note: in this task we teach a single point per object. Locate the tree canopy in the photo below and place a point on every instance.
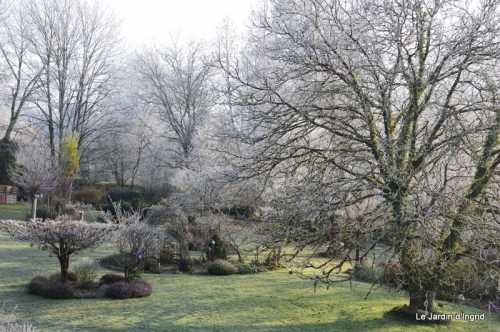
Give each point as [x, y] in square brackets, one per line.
[61, 238]
[375, 122]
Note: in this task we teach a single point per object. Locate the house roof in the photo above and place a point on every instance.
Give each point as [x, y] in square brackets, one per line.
[4, 189]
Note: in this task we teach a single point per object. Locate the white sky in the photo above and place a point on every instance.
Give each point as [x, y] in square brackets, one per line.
[153, 20]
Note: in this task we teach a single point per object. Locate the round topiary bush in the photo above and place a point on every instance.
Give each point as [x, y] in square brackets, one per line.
[43, 211]
[245, 268]
[221, 268]
[113, 262]
[141, 288]
[119, 290]
[186, 265]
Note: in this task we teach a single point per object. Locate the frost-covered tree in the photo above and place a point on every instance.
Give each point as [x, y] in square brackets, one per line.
[61, 237]
[136, 240]
[38, 172]
[175, 80]
[77, 43]
[375, 121]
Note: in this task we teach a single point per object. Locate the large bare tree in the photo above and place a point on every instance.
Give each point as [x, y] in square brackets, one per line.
[20, 74]
[77, 42]
[175, 80]
[372, 121]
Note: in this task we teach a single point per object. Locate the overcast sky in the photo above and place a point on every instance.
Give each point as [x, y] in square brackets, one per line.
[149, 20]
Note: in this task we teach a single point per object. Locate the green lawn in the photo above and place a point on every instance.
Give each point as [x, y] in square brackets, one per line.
[274, 301]
[16, 211]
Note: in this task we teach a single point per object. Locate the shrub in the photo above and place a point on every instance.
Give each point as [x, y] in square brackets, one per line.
[141, 288]
[43, 212]
[119, 290]
[221, 268]
[124, 194]
[122, 290]
[216, 250]
[249, 268]
[166, 256]
[471, 279]
[111, 278]
[245, 268]
[36, 287]
[59, 291]
[113, 262]
[151, 265]
[259, 269]
[86, 272]
[90, 195]
[43, 279]
[186, 265]
[70, 211]
[367, 273]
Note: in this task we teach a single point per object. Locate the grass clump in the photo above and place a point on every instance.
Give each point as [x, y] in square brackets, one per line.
[368, 273]
[8, 323]
[221, 268]
[86, 272]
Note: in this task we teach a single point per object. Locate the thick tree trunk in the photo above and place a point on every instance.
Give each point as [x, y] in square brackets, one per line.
[421, 298]
[64, 262]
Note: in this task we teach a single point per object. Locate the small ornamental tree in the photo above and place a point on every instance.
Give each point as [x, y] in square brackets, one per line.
[61, 237]
[39, 173]
[136, 241]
